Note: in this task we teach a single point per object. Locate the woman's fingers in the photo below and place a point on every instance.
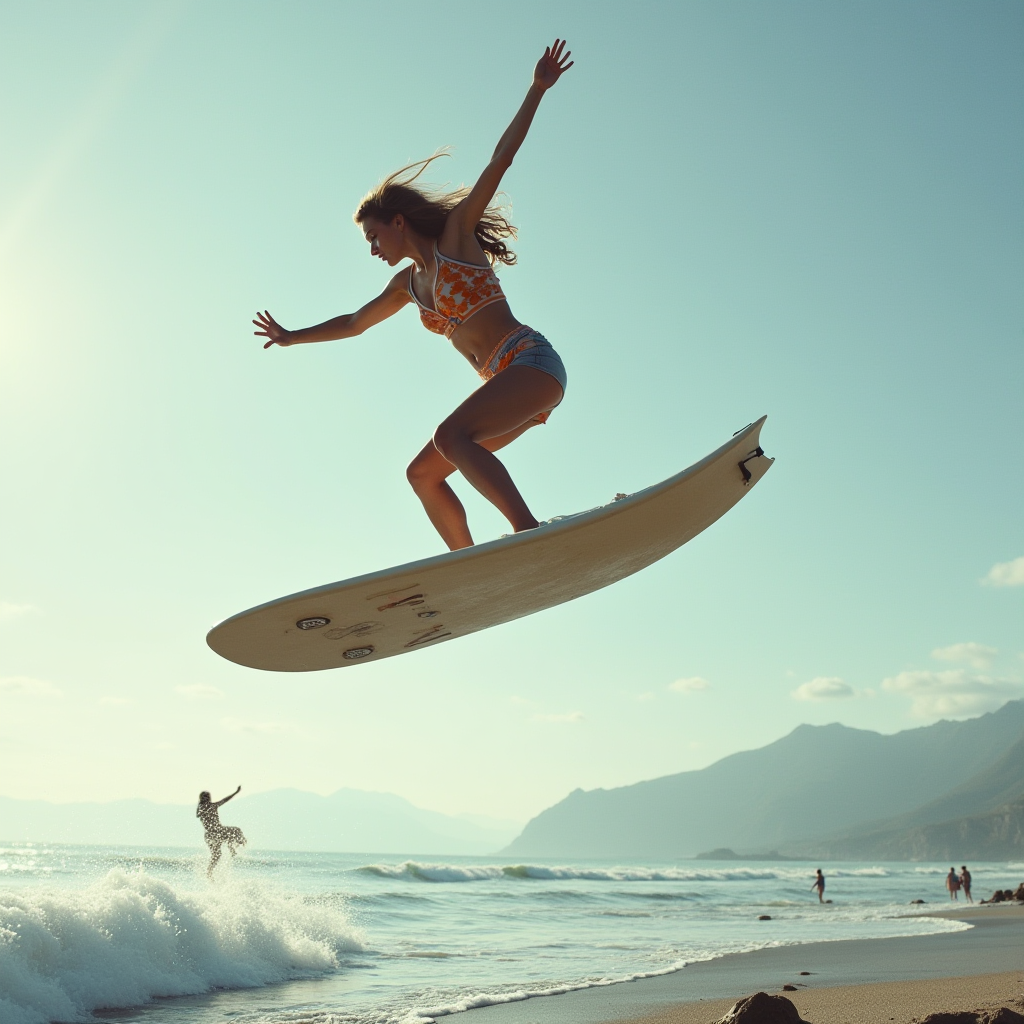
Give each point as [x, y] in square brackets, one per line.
[557, 60]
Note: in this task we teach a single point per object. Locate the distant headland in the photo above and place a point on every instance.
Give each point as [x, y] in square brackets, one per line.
[724, 853]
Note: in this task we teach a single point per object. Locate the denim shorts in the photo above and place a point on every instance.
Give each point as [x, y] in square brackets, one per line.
[525, 347]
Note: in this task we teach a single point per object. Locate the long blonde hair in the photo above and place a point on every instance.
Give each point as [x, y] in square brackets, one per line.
[427, 209]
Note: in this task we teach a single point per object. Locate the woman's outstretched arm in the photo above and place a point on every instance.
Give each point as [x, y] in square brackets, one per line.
[389, 302]
[549, 69]
[230, 796]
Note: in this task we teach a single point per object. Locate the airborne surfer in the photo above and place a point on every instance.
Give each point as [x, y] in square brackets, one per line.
[454, 239]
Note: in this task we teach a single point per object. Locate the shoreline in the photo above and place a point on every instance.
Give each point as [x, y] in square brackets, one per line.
[849, 979]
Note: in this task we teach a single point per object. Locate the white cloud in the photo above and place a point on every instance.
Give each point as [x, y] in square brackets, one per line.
[976, 655]
[116, 702]
[823, 688]
[261, 728]
[1006, 574]
[691, 684]
[28, 686]
[199, 691]
[954, 692]
[570, 717]
[8, 610]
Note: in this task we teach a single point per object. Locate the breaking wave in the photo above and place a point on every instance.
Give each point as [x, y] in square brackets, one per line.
[130, 938]
[414, 871]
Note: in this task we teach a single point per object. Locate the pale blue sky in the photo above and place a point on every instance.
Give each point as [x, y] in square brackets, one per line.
[806, 209]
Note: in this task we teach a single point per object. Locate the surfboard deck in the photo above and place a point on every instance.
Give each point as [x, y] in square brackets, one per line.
[428, 602]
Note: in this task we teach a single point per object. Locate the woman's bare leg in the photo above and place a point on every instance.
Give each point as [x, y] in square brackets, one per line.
[493, 416]
[214, 857]
[510, 399]
[428, 473]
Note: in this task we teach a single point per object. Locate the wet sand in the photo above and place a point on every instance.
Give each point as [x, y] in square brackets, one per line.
[858, 981]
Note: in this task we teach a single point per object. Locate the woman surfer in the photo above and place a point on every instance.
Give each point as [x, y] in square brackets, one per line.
[454, 239]
[208, 812]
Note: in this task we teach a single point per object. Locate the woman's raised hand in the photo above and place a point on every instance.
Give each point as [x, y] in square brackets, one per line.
[550, 67]
[270, 328]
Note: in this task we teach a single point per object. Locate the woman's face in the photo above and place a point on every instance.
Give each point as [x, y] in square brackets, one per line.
[387, 241]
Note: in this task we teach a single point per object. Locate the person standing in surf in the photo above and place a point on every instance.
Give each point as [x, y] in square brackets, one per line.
[953, 883]
[216, 834]
[819, 884]
[454, 239]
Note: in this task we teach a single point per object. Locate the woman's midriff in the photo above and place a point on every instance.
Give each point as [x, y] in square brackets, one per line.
[476, 338]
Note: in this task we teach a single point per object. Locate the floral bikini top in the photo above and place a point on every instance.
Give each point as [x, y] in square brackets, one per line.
[460, 290]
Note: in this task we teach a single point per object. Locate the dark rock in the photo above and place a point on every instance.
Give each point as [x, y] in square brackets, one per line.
[1004, 1015]
[805, 972]
[789, 988]
[917, 901]
[1005, 895]
[765, 917]
[761, 1008]
[956, 1017]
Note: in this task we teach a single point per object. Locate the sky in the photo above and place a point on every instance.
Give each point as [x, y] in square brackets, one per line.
[801, 208]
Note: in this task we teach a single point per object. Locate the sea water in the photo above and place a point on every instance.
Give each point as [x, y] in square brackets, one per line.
[324, 938]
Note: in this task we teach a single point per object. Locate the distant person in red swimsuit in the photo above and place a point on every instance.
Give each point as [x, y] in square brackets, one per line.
[965, 882]
[454, 239]
[952, 883]
[819, 884]
[208, 812]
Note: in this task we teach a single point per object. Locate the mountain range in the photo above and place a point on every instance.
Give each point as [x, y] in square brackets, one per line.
[948, 791]
[349, 820]
[820, 790]
[991, 829]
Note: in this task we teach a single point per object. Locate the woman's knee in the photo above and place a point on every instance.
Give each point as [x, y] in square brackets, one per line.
[418, 473]
[426, 471]
[448, 438]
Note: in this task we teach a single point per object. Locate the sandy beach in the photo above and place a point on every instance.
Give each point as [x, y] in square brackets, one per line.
[846, 982]
[898, 1001]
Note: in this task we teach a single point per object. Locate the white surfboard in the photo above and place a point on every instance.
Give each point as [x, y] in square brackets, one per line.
[425, 603]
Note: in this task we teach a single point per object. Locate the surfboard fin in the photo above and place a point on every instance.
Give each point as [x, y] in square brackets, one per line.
[755, 454]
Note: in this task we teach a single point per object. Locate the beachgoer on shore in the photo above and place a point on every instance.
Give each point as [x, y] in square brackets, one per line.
[965, 882]
[819, 884]
[952, 883]
[454, 239]
[208, 812]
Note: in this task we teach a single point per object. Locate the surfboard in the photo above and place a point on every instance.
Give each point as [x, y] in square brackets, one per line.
[429, 602]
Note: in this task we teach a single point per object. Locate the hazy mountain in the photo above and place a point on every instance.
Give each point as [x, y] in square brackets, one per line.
[995, 835]
[349, 820]
[817, 781]
[982, 819]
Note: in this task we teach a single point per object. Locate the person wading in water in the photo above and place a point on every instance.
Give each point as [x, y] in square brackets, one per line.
[208, 812]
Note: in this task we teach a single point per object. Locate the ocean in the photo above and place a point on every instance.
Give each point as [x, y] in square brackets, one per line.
[325, 938]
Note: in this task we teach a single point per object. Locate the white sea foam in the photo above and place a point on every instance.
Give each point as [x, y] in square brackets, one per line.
[476, 1000]
[130, 938]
